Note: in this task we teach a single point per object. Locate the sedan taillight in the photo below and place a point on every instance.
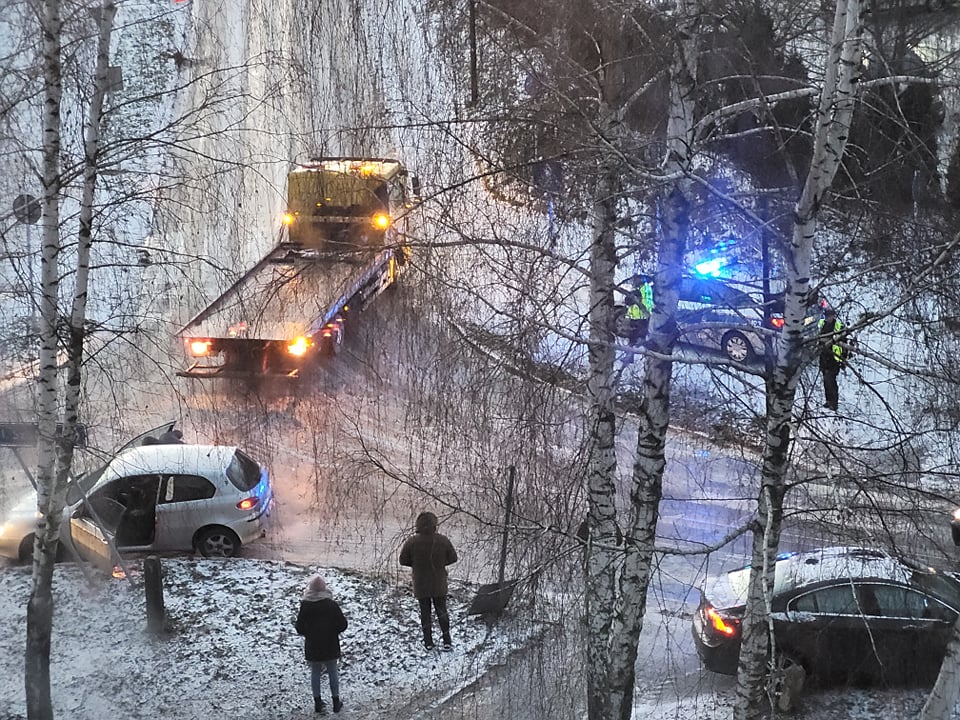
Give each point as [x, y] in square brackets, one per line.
[248, 503]
[720, 624]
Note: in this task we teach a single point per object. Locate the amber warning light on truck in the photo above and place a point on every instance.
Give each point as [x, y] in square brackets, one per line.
[381, 220]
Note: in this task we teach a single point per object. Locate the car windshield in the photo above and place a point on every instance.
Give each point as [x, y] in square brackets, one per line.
[243, 471]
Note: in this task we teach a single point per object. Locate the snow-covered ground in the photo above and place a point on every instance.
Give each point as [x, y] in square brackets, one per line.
[230, 649]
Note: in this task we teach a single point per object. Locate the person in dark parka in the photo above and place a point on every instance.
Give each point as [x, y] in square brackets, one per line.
[321, 621]
[428, 553]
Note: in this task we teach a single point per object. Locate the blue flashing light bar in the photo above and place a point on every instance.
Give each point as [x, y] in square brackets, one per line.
[710, 268]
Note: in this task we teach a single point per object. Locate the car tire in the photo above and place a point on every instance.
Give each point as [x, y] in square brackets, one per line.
[786, 682]
[736, 347]
[25, 552]
[218, 542]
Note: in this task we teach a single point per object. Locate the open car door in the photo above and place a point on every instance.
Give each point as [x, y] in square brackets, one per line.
[93, 527]
[93, 530]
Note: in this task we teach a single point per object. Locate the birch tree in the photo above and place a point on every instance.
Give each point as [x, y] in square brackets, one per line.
[945, 694]
[617, 621]
[592, 76]
[833, 119]
[50, 492]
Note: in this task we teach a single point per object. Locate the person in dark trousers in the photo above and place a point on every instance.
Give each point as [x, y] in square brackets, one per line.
[832, 359]
[428, 553]
[321, 621]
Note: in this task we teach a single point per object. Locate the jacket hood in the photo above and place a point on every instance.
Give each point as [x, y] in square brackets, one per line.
[427, 523]
[317, 589]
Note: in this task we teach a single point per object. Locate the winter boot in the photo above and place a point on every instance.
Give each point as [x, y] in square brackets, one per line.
[319, 706]
[337, 705]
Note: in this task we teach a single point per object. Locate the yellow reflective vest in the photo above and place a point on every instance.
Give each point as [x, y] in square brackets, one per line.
[641, 310]
[837, 328]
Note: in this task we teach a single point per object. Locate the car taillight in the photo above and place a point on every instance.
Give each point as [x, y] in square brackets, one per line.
[248, 503]
[777, 322]
[724, 625]
[333, 327]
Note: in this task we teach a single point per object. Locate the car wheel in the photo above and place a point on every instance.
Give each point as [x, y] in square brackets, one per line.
[25, 552]
[218, 542]
[736, 347]
[26, 549]
[785, 682]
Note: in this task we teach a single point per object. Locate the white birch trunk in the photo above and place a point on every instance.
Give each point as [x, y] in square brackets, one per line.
[946, 690]
[55, 453]
[649, 465]
[602, 557]
[40, 605]
[78, 312]
[834, 115]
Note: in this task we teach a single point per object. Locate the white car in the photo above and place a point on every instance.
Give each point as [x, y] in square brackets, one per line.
[211, 499]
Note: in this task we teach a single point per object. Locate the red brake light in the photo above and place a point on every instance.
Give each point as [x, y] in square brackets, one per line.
[248, 503]
[777, 322]
[724, 626]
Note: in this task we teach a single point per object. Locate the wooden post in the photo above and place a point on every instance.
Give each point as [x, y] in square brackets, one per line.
[506, 524]
[153, 587]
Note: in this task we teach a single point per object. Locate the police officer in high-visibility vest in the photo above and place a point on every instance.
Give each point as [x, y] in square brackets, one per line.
[832, 357]
[639, 309]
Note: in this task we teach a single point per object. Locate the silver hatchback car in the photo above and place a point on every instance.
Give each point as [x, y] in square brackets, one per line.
[211, 499]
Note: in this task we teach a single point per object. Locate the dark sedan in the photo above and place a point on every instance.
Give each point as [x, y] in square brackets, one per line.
[845, 614]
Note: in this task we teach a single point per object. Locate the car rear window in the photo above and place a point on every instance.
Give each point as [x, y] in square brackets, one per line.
[243, 471]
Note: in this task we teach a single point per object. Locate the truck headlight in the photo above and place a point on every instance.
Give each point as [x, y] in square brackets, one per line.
[200, 348]
[956, 515]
